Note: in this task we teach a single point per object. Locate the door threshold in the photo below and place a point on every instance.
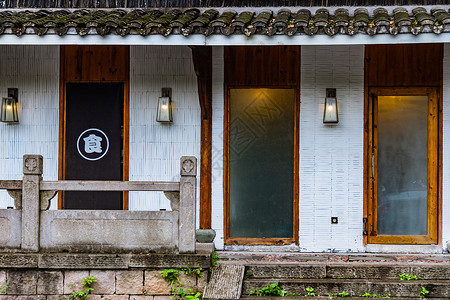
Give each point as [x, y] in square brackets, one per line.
[263, 248]
[388, 248]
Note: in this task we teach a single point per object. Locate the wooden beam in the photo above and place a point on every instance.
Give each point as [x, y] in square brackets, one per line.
[202, 57]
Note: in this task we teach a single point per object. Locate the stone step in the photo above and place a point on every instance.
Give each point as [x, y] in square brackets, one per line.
[324, 298]
[347, 270]
[355, 287]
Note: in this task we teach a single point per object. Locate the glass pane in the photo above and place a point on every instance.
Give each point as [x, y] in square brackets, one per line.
[402, 165]
[261, 163]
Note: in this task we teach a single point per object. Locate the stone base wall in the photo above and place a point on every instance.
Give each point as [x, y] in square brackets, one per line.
[111, 284]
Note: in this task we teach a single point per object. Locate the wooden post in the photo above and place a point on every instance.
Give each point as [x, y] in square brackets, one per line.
[32, 176]
[202, 57]
[186, 229]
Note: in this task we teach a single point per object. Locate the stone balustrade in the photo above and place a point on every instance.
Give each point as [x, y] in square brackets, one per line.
[31, 227]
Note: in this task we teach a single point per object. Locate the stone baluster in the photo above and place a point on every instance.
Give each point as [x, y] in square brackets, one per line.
[32, 176]
[186, 232]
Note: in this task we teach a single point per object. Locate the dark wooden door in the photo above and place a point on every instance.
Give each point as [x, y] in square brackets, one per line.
[94, 142]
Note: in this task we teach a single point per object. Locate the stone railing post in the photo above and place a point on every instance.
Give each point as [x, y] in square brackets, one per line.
[186, 232]
[32, 176]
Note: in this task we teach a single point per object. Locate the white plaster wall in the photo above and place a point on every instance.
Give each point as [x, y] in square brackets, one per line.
[34, 70]
[446, 148]
[331, 156]
[217, 147]
[156, 148]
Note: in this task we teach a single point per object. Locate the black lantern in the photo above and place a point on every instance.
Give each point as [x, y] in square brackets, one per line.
[330, 110]
[9, 109]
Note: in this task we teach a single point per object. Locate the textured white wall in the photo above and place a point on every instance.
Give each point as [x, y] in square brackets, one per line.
[217, 147]
[331, 156]
[446, 148]
[156, 148]
[34, 70]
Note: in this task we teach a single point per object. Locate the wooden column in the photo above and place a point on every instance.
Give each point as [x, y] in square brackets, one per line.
[202, 57]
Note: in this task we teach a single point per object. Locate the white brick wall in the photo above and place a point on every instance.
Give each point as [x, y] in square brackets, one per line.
[331, 156]
[446, 148]
[156, 148]
[34, 70]
[217, 146]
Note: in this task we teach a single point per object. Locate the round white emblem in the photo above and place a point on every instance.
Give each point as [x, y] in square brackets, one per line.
[92, 144]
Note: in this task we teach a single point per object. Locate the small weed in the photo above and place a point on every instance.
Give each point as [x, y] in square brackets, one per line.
[366, 295]
[197, 272]
[87, 282]
[171, 276]
[187, 294]
[343, 294]
[214, 259]
[248, 274]
[272, 289]
[407, 277]
[3, 288]
[310, 292]
[424, 292]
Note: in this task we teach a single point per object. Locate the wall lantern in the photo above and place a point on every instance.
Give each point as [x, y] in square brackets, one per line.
[164, 110]
[9, 113]
[330, 110]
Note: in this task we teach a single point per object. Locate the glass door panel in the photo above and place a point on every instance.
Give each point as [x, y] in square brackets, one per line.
[402, 165]
[261, 163]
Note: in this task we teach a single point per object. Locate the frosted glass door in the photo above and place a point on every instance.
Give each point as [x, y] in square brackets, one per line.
[261, 163]
[402, 165]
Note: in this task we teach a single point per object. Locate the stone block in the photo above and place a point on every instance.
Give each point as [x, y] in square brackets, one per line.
[169, 260]
[2, 278]
[114, 297]
[8, 297]
[130, 282]
[205, 235]
[12, 260]
[50, 283]
[56, 297]
[202, 281]
[133, 297]
[139, 231]
[155, 284]
[32, 297]
[11, 228]
[106, 282]
[163, 298]
[73, 280]
[93, 297]
[22, 282]
[82, 261]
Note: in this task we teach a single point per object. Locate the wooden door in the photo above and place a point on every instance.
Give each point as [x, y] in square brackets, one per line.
[403, 165]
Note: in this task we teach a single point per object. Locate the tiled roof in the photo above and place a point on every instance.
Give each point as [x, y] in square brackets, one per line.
[207, 22]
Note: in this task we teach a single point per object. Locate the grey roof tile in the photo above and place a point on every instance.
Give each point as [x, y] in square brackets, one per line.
[211, 21]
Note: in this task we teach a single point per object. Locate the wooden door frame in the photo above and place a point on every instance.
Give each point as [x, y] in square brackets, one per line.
[226, 177]
[62, 123]
[434, 170]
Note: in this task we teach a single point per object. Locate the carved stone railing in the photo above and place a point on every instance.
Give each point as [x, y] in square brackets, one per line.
[32, 227]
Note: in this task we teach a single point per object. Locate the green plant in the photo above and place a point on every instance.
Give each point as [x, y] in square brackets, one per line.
[214, 259]
[87, 282]
[187, 294]
[424, 292]
[193, 271]
[310, 292]
[344, 294]
[366, 295]
[248, 274]
[171, 276]
[407, 277]
[3, 288]
[272, 289]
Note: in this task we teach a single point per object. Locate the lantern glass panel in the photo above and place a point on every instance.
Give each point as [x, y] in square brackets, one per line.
[9, 110]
